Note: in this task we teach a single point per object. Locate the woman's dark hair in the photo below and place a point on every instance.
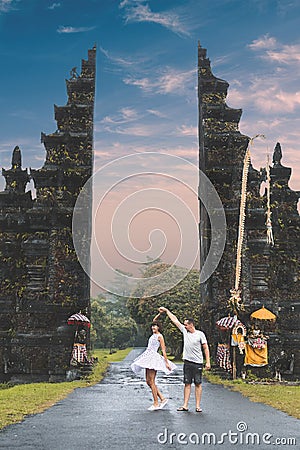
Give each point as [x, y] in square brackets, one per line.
[156, 322]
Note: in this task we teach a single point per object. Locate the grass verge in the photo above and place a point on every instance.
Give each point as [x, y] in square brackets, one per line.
[286, 398]
[22, 400]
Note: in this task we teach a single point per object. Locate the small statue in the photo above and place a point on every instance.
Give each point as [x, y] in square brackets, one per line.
[16, 161]
[81, 337]
[277, 155]
[74, 73]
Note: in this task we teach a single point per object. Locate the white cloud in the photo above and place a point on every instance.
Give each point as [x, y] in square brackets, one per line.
[286, 7]
[288, 54]
[186, 130]
[170, 82]
[125, 3]
[145, 123]
[280, 129]
[274, 88]
[173, 81]
[224, 59]
[68, 29]
[156, 113]
[275, 51]
[7, 5]
[142, 130]
[125, 115]
[105, 152]
[144, 83]
[117, 59]
[54, 6]
[162, 81]
[275, 99]
[129, 113]
[265, 42]
[122, 123]
[190, 153]
[269, 98]
[138, 11]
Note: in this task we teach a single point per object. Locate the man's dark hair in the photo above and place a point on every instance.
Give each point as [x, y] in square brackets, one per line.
[190, 320]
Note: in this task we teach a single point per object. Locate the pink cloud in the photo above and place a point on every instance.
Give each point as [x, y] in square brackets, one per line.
[267, 96]
[170, 82]
[276, 51]
[137, 12]
[265, 42]
[272, 100]
[289, 54]
[188, 130]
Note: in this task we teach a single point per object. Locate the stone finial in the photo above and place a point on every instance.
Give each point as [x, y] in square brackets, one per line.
[16, 161]
[277, 155]
[73, 73]
[16, 178]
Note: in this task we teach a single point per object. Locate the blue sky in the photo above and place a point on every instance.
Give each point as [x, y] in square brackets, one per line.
[146, 70]
[146, 97]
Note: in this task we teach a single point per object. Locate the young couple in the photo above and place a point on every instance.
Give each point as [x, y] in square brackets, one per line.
[193, 343]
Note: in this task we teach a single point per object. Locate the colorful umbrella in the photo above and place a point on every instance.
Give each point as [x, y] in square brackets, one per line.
[226, 323]
[263, 314]
[79, 319]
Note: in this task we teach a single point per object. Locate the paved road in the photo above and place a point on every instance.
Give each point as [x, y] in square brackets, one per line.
[113, 415]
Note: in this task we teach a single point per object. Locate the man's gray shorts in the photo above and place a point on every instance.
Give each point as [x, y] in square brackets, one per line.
[192, 372]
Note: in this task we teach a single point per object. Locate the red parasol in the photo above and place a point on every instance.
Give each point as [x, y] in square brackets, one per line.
[226, 323]
[79, 319]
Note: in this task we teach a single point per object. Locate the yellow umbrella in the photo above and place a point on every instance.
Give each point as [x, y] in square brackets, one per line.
[263, 314]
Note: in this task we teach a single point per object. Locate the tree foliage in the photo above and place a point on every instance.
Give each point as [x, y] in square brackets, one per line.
[183, 300]
[112, 325]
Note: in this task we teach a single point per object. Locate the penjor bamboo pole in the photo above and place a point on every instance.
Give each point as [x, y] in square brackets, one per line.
[236, 300]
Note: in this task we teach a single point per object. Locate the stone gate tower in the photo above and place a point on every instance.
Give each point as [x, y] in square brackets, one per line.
[41, 280]
[270, 274]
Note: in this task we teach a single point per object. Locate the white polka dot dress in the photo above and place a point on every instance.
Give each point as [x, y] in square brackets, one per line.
[150, 359]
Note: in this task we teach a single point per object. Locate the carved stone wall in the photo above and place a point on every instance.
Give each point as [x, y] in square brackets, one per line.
[41, 280]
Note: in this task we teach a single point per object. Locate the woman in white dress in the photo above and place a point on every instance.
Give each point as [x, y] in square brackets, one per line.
[152, 361]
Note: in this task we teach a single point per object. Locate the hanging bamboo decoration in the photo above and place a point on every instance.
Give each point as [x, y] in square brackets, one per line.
[235, 301]
[270, 237]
